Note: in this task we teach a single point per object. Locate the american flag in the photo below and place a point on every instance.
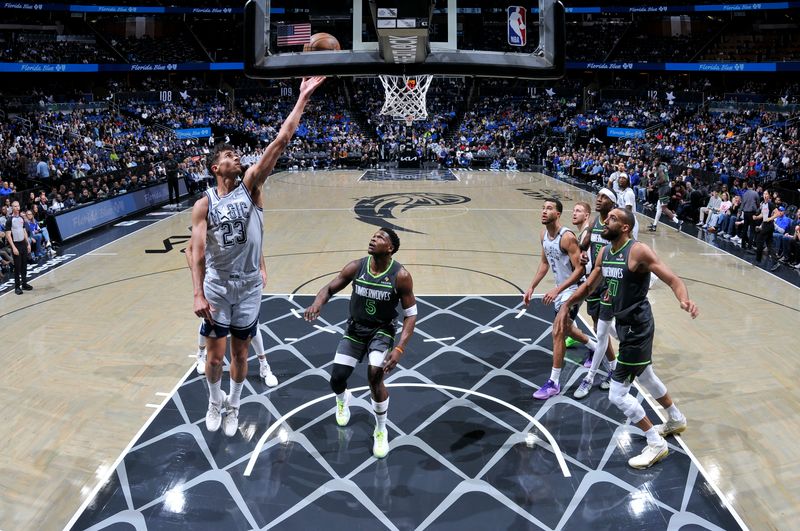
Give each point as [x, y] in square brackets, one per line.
[293, 34]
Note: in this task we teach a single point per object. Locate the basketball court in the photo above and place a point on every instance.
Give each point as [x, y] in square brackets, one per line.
[107, 432]
[111, 425]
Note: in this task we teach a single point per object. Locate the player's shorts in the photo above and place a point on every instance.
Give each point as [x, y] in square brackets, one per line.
[360, 339]
[635, 351]
[595, 308]
[573, 312]
[562, 298]
[236, 302]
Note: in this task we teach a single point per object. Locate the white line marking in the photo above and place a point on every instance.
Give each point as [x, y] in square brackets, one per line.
[556, 450]
[290, 339]
[159, 393]
[521, 313]
[493, 329]
[694, 459]
[154, 406]
[325, 329]
[291, 297]
[432, 339]
[525, 339]
[112, 469]
[160, 213]
[192, 356]
[145, 227]
[296, 314]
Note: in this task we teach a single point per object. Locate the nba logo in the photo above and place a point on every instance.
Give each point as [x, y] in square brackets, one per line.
[517, 34]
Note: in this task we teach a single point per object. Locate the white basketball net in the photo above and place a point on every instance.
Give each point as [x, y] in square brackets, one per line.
[406, 97]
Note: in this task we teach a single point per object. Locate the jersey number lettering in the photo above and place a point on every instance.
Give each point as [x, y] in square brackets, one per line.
[369, 306]
[233, 232]
[613, 286]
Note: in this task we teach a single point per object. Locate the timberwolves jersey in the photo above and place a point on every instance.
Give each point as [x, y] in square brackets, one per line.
[627, 290]
[374, 300]
[234, 234]
[596, 242]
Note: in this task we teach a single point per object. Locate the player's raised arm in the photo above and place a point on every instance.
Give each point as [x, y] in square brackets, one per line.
[256, 174]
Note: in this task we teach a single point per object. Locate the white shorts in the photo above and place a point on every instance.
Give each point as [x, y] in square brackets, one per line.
[236, 302]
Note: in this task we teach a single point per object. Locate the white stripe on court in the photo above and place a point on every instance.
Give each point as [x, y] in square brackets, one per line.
[432, 339]
[492, 329]
[325, 329]
[556, 450]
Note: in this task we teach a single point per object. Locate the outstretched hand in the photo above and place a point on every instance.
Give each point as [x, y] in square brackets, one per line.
[310, 84]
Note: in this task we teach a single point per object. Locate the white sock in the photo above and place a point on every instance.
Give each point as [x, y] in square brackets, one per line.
[653, 436]
[555, 374]
[381, 410]
[674, 412]
[658, 213]
[612, 364]
[236, 393]
[215, 391]
[592, 344]
[341, 396]
[603, 330]
[201, 343]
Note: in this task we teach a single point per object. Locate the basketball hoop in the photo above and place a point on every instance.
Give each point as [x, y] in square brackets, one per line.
[406, 97]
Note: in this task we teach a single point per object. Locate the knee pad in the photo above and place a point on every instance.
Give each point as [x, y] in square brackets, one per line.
[619, 396]
[376, 358]
[652, 383]
[339, 377]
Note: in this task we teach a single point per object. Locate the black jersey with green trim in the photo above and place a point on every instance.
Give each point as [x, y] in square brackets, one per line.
[596, 244]
[626, 289]
[375, 298]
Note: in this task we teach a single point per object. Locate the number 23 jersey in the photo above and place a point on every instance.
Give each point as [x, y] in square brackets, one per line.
[235, 231]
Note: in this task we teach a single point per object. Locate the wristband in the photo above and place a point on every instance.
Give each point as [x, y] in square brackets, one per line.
[400, 349]
[411, 310]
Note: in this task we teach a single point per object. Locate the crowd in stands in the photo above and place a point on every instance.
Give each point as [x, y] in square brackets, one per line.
[57, 160]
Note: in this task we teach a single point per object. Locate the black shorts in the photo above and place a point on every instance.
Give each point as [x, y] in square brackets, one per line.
[635, 351]
[573, 312]
[599, 311]
[360, 339]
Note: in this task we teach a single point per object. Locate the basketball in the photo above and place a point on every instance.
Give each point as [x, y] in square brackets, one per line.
[320, 42]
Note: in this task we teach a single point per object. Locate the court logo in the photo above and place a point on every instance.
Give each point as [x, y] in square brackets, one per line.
[544, 193]
[382, 210]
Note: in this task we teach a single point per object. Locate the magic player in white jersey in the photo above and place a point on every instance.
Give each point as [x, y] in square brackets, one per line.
[227, 234]
[562, 255]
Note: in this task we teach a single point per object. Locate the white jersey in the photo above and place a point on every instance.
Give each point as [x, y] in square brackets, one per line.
[235, 231]
[626, 198]
[559, 261]
[560, 264]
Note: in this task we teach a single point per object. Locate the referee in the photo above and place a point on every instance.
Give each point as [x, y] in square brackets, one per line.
[20, 243]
